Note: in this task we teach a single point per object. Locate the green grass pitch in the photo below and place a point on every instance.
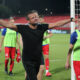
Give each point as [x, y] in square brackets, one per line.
[58, 51]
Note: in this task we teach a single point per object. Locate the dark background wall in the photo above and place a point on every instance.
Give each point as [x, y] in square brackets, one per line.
[43, 6]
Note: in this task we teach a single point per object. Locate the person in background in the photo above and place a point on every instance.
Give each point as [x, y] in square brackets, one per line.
[75, 47]
[10, 38]
[45, 51]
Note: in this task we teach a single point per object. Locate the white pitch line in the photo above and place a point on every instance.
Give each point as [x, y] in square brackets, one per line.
[57, 60]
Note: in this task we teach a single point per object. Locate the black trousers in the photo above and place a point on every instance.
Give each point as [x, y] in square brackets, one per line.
[32, 69]
[42, 60]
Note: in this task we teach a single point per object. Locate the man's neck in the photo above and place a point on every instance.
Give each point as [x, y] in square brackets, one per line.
[33, 26]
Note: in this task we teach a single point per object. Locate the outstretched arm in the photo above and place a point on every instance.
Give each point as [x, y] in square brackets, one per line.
[59, 23]
[7, 24]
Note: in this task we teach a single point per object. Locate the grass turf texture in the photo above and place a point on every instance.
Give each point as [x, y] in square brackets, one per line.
[58, 51]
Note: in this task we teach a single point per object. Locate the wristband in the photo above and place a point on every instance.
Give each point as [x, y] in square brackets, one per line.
[71, 19]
